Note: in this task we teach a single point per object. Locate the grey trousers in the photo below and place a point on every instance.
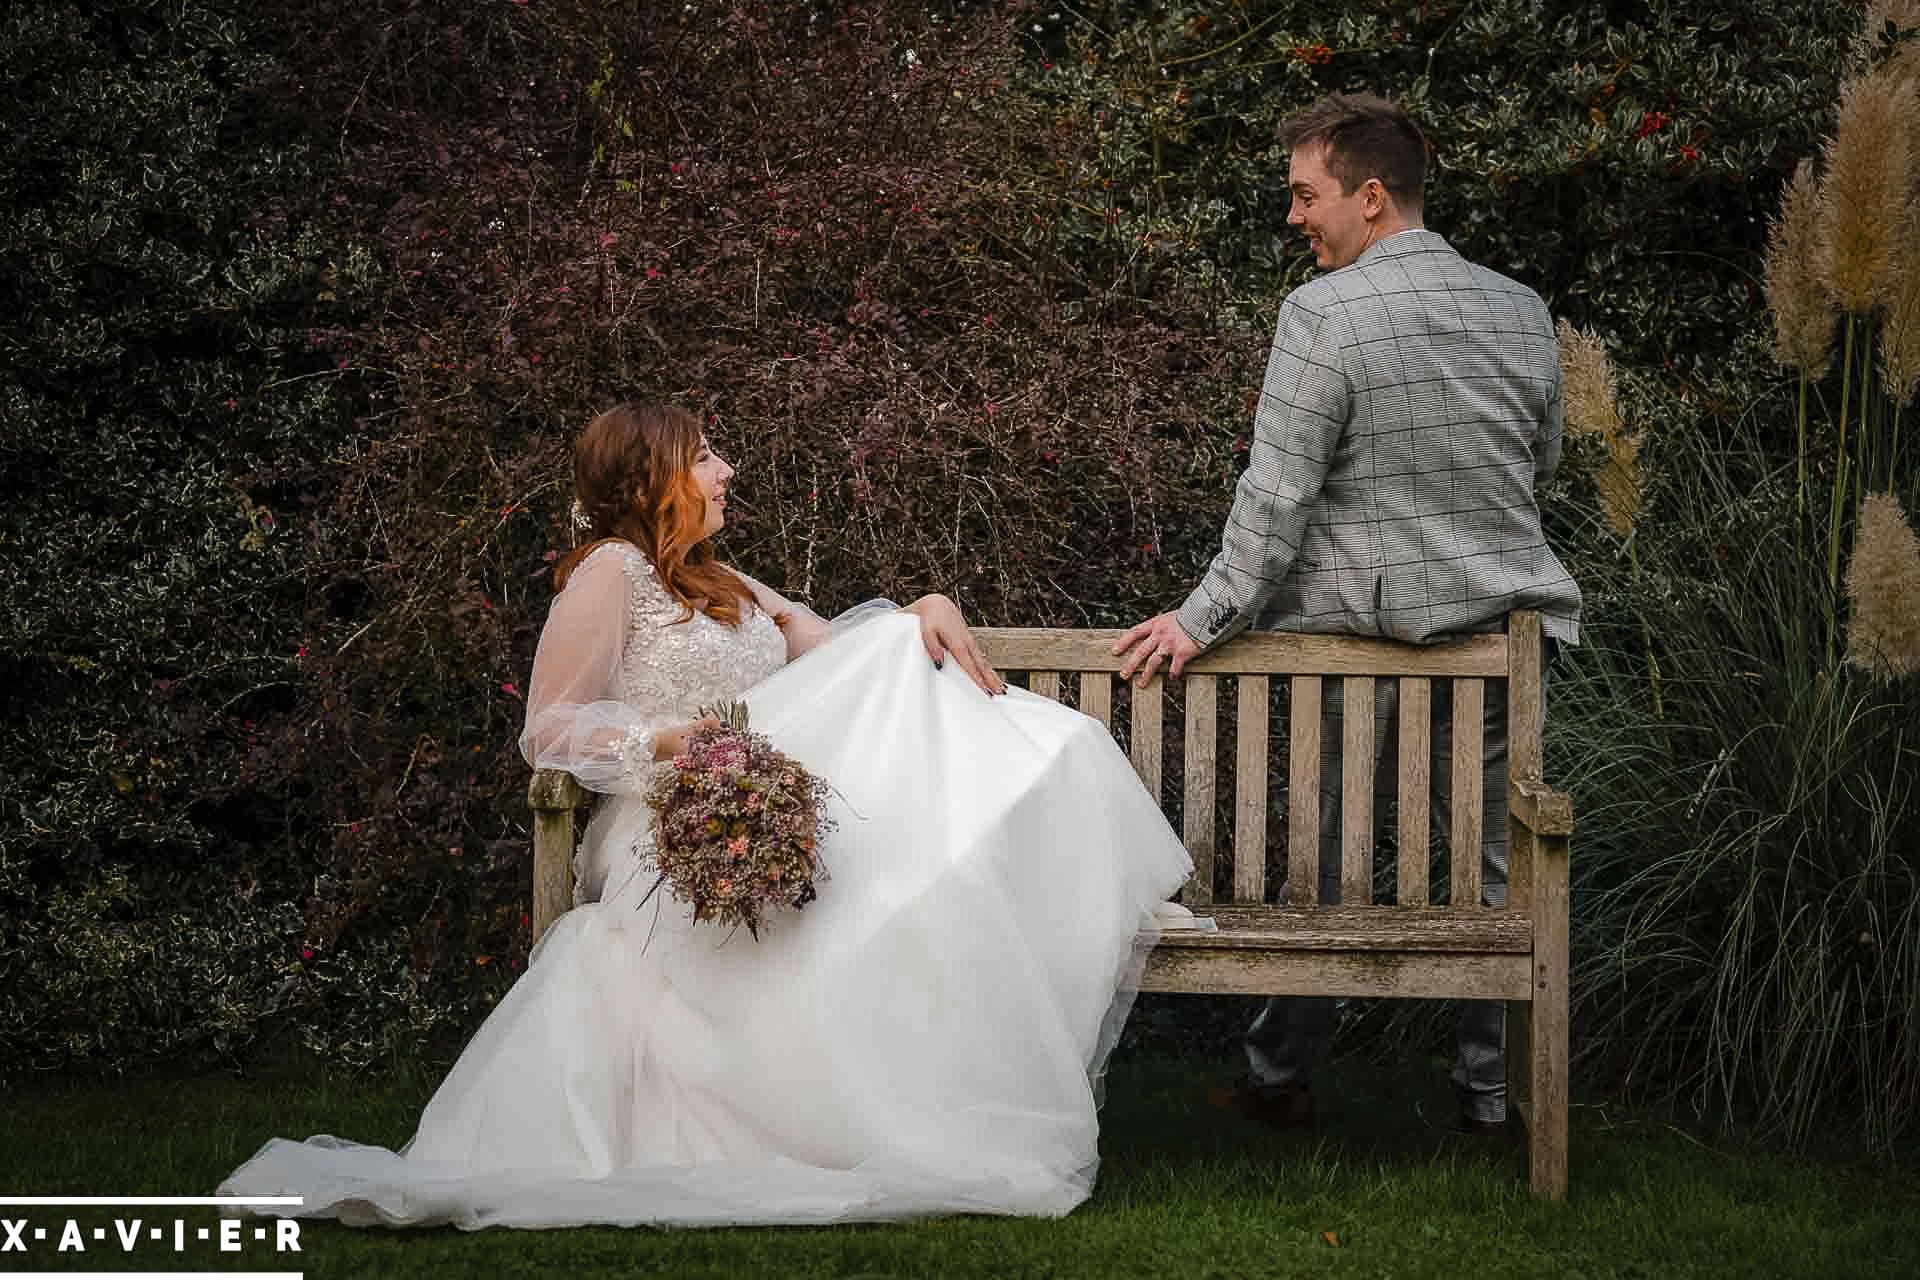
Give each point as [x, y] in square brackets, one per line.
[1291, 1033]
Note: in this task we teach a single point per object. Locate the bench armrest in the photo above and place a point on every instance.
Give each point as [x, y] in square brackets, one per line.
[1540, 808]
[553, 795]
[553, 789]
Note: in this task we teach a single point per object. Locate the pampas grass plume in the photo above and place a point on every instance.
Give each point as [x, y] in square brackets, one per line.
[1796, 278]
[1902, 16]
[1869, 169]
[1900, 333]
[1883, 591]
[1619, 483]
[1592, 401]
[1593, 409]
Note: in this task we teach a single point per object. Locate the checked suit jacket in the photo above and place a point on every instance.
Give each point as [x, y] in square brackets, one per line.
[1410, 410]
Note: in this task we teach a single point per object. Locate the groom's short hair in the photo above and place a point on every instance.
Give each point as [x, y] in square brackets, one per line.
[1364, 136]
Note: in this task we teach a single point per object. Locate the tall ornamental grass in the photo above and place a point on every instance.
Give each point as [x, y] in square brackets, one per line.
[1743, 725]
[1844, 252]
[1747, 907]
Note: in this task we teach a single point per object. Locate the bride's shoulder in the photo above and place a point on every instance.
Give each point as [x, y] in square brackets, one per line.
[763, 597]
[614, 559]
[616, 554]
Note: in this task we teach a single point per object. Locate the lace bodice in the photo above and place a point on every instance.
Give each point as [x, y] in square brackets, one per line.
[671, 668]
[619, 661]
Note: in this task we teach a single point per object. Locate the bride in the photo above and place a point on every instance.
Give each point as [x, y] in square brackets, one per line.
[925, 1038]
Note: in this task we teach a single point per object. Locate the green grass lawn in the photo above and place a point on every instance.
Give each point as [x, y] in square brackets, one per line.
[1381, 1187]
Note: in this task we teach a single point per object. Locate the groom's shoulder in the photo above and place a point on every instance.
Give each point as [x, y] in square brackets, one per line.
[1494, 282]
[1317, 296]
[1505, 301]
[1487, 280]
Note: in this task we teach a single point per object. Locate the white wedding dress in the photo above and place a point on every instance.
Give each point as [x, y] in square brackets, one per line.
[923, 1039]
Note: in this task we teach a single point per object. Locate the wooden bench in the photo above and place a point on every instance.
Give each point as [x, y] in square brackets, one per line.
[1359, 947]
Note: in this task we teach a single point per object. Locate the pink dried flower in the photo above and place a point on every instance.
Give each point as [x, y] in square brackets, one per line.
[735, 828]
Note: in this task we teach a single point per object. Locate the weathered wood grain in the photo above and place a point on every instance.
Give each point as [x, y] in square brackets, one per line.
[1416, 789]
[1345, 928]
[1399, 975]
[1303, 791]
[1145, 711]
[1540, 808]
[1201, 753]
[1250, 752]
[1469, 797]
[1252, 652]
[1548, 1086]
[1524, 691]
[1356, 791]
[553, 796]
[1096, 696]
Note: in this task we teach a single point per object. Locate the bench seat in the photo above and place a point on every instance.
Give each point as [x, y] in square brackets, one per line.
[1347, 951]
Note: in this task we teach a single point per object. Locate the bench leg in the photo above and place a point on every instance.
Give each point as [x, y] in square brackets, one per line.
[1520, 1064]
[1547, 1040]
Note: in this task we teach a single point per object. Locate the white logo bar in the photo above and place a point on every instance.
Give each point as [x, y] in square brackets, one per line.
[202, 1201]
[158, 1275]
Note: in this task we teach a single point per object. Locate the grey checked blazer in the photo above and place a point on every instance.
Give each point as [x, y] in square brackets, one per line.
[1410, 409]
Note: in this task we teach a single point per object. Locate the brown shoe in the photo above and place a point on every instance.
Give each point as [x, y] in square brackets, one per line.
[1284, 1106]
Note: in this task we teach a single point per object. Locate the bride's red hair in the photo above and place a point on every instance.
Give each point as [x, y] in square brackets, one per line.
[633, 478]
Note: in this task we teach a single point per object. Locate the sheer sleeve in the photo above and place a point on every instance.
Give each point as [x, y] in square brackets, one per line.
[576, 719]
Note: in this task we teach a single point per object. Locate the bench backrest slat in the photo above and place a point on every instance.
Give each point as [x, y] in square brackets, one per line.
[1096, 696]
[1524, 691]
[1416, 788]
[1356, 792]
[1144, 711]
[1303, 779]
[1469, 711]
[1203, 698]
[1256, 653]
[1250, 750]
[1251, 662]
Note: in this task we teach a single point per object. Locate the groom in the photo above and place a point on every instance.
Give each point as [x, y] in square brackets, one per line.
[1411, 408]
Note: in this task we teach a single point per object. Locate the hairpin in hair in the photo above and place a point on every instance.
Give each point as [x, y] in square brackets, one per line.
[578, 515]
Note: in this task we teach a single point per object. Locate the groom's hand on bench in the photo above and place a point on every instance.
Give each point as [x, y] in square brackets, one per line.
[1148, 643]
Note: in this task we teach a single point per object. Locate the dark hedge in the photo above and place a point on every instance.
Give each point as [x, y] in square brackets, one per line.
[301, 304]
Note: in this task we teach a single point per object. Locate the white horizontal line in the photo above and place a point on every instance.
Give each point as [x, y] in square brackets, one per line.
[181, 1200]
[159, 1275]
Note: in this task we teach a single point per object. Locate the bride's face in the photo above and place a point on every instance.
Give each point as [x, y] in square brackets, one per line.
[711, 475]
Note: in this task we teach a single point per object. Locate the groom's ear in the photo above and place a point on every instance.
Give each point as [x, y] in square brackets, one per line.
[1373, 193]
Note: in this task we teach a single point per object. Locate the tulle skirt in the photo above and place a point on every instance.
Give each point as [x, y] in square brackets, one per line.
[925, 1038]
